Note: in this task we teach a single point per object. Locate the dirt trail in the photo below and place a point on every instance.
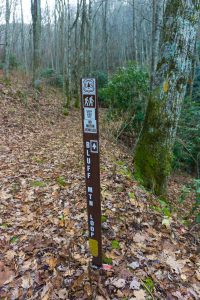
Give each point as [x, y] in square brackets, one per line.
[43, 221]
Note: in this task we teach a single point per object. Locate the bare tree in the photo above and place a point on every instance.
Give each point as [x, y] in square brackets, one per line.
[7, 40]
[23, 37]
[36, 19]
[105, 36]
[135, 44]
[157, 20]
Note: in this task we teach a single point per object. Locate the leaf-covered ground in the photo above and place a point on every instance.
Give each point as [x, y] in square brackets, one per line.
[43, 219]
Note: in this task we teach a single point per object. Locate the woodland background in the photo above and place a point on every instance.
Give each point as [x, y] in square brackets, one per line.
[127, 45]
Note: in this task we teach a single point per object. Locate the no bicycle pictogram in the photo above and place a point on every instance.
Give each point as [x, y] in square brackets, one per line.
[88, 86]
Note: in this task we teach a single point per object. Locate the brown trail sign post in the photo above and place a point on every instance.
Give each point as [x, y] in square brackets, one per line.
[90, 124]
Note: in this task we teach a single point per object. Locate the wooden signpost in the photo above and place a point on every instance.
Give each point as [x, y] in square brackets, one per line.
[90, 124]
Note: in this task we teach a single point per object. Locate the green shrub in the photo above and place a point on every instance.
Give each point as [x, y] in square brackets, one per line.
[47, 73]
[193, 187]
[187, 146]
[58, 80]
[102, 78]
[126, 87]
[52, 78]
[196, 207]
[196, 85]
[13, 62]
[126, 96]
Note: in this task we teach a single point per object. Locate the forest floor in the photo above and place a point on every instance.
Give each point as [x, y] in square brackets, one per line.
[43, 219]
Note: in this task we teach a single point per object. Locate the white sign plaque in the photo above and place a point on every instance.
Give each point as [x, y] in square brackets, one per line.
[88, 86]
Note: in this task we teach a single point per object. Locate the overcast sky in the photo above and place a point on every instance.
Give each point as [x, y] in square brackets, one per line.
[27, 7]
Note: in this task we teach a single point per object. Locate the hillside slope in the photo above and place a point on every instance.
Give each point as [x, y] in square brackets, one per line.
[43, 220]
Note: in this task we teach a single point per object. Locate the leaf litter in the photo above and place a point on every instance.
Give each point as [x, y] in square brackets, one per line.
[43, 220]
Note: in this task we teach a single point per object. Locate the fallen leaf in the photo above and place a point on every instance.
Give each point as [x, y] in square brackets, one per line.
[51, 262]
[134, 265]
[135, 284]
[139, 238]
[10, 255]
[167, 222]
[165, 86]
[63, 294]
[6, 275]
[140, 295]
[119, 283]
[88, 289]
[198, 275]
[27, 281]
[175, 264]
[46, 291]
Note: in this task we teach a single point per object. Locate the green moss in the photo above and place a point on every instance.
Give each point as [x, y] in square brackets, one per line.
[103, 218]
[61, 181]
[65, 111]
[107, 260]
[38, 183]
[172, 65]
[180, 82]
[161, 63]
[115, 244]
[77, 103]
[153, 158]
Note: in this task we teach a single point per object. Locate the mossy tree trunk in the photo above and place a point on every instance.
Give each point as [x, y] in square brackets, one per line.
[153, 155]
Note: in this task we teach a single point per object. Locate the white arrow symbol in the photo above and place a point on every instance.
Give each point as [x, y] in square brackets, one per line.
[94, 147]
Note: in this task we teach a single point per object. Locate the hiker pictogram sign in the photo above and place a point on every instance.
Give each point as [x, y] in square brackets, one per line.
[89, 101]
[92, 167]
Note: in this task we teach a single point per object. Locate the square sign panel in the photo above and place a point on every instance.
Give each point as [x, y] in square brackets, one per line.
[89, 101]
[89, 113]
[94, 147]
[90, 126]
[88, 86]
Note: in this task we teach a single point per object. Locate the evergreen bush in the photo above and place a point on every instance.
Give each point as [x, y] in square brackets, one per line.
[13, 62]
[102, 78]
[52, 78]
[187, 146]
[125, 96]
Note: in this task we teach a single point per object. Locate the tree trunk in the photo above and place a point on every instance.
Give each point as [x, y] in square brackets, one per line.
[23, 38]
[153, 155]
[105, 37]
[69, 71]
[83, 39]
[89, 56]
[36, 18]
[135, 45]
[7, 40]
[157, 20]
[77, 58]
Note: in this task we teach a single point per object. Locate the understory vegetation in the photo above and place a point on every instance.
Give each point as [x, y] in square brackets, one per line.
[125, 97]
[99, 149]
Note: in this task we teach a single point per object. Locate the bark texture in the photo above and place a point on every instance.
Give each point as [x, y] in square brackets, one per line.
[7, 40]
[153, 155]
[157, 22]
[36, 18]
